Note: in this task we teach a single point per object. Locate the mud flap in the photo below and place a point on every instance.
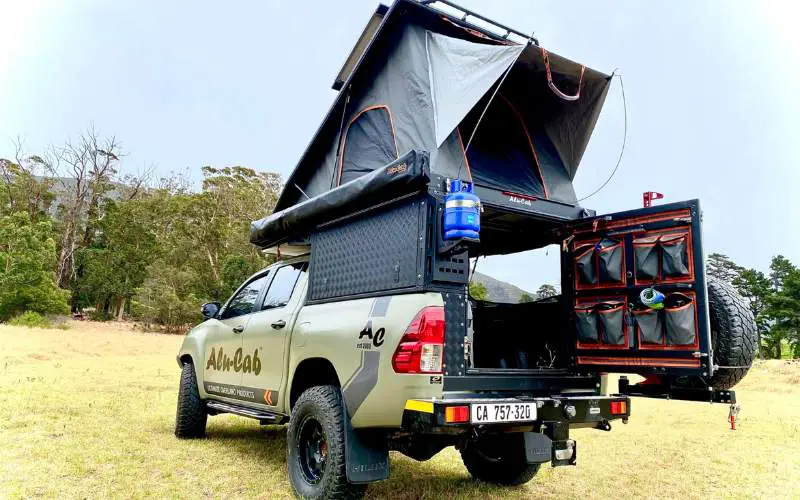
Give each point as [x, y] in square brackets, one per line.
[538, 448]
[366, 454]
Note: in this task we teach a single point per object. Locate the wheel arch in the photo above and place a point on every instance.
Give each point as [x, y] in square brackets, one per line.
[309, 373]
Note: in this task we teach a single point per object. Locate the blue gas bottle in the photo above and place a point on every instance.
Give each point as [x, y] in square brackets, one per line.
[462, 216]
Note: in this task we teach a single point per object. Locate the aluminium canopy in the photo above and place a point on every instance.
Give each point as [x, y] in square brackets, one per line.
[422, 83]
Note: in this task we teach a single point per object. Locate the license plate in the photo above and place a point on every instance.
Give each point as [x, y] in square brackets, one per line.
[488, 413]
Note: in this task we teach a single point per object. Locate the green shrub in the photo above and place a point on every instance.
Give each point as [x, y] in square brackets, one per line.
[31, 320]
[27, 259]
[99, 315]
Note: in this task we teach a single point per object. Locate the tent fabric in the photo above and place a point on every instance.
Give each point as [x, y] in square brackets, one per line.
[368, 143]
[501, 155]
[407, 174]
[461, 72]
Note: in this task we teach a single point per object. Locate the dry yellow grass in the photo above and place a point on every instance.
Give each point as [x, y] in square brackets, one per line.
[88, 412]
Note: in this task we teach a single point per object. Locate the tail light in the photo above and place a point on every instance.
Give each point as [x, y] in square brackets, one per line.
[422, 345]
[619, 408]
[456, 414]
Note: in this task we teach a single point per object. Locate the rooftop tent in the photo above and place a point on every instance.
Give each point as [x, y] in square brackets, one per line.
[422, 82]
[530, 134]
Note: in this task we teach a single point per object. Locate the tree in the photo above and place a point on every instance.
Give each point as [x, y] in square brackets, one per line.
[216, 222]
[235, 269]
[525, 297]
[114, 264]
[166, 298]
[783, 306]
[84, 171]
[23, 187]
[478, 291]
[720, 266]
[779, 270]
[27, 259]
[546, 291]
[756, 288]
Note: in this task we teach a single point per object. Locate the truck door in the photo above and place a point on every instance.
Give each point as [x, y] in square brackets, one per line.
[607, 262]
[265, 340]
[223, 365]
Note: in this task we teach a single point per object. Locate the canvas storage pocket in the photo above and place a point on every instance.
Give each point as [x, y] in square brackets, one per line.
[612, 322]
[679, 317]
[650, 325]
[645, 255]
[584, 264]
[586, 324]
[674, 255]
[609, 261]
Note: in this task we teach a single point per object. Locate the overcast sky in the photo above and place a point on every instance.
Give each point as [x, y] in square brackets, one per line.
[711, 90]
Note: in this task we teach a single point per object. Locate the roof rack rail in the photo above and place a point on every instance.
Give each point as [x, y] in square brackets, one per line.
[465, 13]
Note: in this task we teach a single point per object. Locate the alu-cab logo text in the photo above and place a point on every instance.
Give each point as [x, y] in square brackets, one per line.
[220, 361]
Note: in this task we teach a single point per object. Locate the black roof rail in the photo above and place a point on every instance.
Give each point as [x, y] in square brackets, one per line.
[465, 13]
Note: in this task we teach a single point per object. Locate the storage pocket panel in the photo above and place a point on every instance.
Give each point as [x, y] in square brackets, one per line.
[611, 266]
[612, 322]
[681, 328]
[645, 255]
[585, 265]
[586, 324]
[675, 255]
[650, 325]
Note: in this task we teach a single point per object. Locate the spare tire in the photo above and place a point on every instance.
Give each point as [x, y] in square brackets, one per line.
[733, 334]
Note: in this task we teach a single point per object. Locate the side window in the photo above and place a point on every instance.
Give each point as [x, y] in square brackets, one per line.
[280, 291]
[245, 299]
[368, 143]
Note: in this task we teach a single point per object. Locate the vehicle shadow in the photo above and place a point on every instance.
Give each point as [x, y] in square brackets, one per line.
[408, 479]
[266, 444]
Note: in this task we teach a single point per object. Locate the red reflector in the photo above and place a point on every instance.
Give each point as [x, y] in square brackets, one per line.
[619, 407]
[456, 414]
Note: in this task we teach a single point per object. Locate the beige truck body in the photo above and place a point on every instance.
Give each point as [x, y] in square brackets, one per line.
[246, 361]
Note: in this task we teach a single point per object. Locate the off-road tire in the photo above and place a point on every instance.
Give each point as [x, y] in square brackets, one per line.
[484, 460]
[733, 334]
[191, 417]
[323, 403]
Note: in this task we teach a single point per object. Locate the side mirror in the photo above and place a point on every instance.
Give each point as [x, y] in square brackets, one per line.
[210, 309]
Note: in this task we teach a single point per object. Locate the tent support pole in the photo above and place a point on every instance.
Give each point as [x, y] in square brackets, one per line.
[339, 136]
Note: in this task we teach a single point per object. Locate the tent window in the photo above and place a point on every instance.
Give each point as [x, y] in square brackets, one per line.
[501, 155]
[368, 143]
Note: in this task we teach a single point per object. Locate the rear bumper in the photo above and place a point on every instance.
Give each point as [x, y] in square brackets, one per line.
[430, 415]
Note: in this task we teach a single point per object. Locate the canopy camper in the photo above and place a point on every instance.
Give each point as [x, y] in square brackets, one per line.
[426, 99]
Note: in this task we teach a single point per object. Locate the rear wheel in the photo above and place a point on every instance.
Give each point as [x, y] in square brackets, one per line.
[191, 417]
[499, 459]
[733, 334]
[316, 446]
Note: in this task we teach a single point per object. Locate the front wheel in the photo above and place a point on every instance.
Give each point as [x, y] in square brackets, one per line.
[499, 459]
[316, 446]
[191, 417]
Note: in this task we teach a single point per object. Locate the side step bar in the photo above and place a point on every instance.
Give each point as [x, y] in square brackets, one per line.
[263, 416]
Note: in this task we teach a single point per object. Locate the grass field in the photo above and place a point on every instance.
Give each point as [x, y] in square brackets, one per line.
[89, 413]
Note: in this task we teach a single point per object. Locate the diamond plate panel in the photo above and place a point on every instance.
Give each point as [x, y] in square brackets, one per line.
[374, 253]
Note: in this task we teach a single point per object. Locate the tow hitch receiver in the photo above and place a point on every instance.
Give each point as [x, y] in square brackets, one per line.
[565, 450]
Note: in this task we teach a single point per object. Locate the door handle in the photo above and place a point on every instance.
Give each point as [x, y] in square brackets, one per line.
[279, 324]
[238, 329]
